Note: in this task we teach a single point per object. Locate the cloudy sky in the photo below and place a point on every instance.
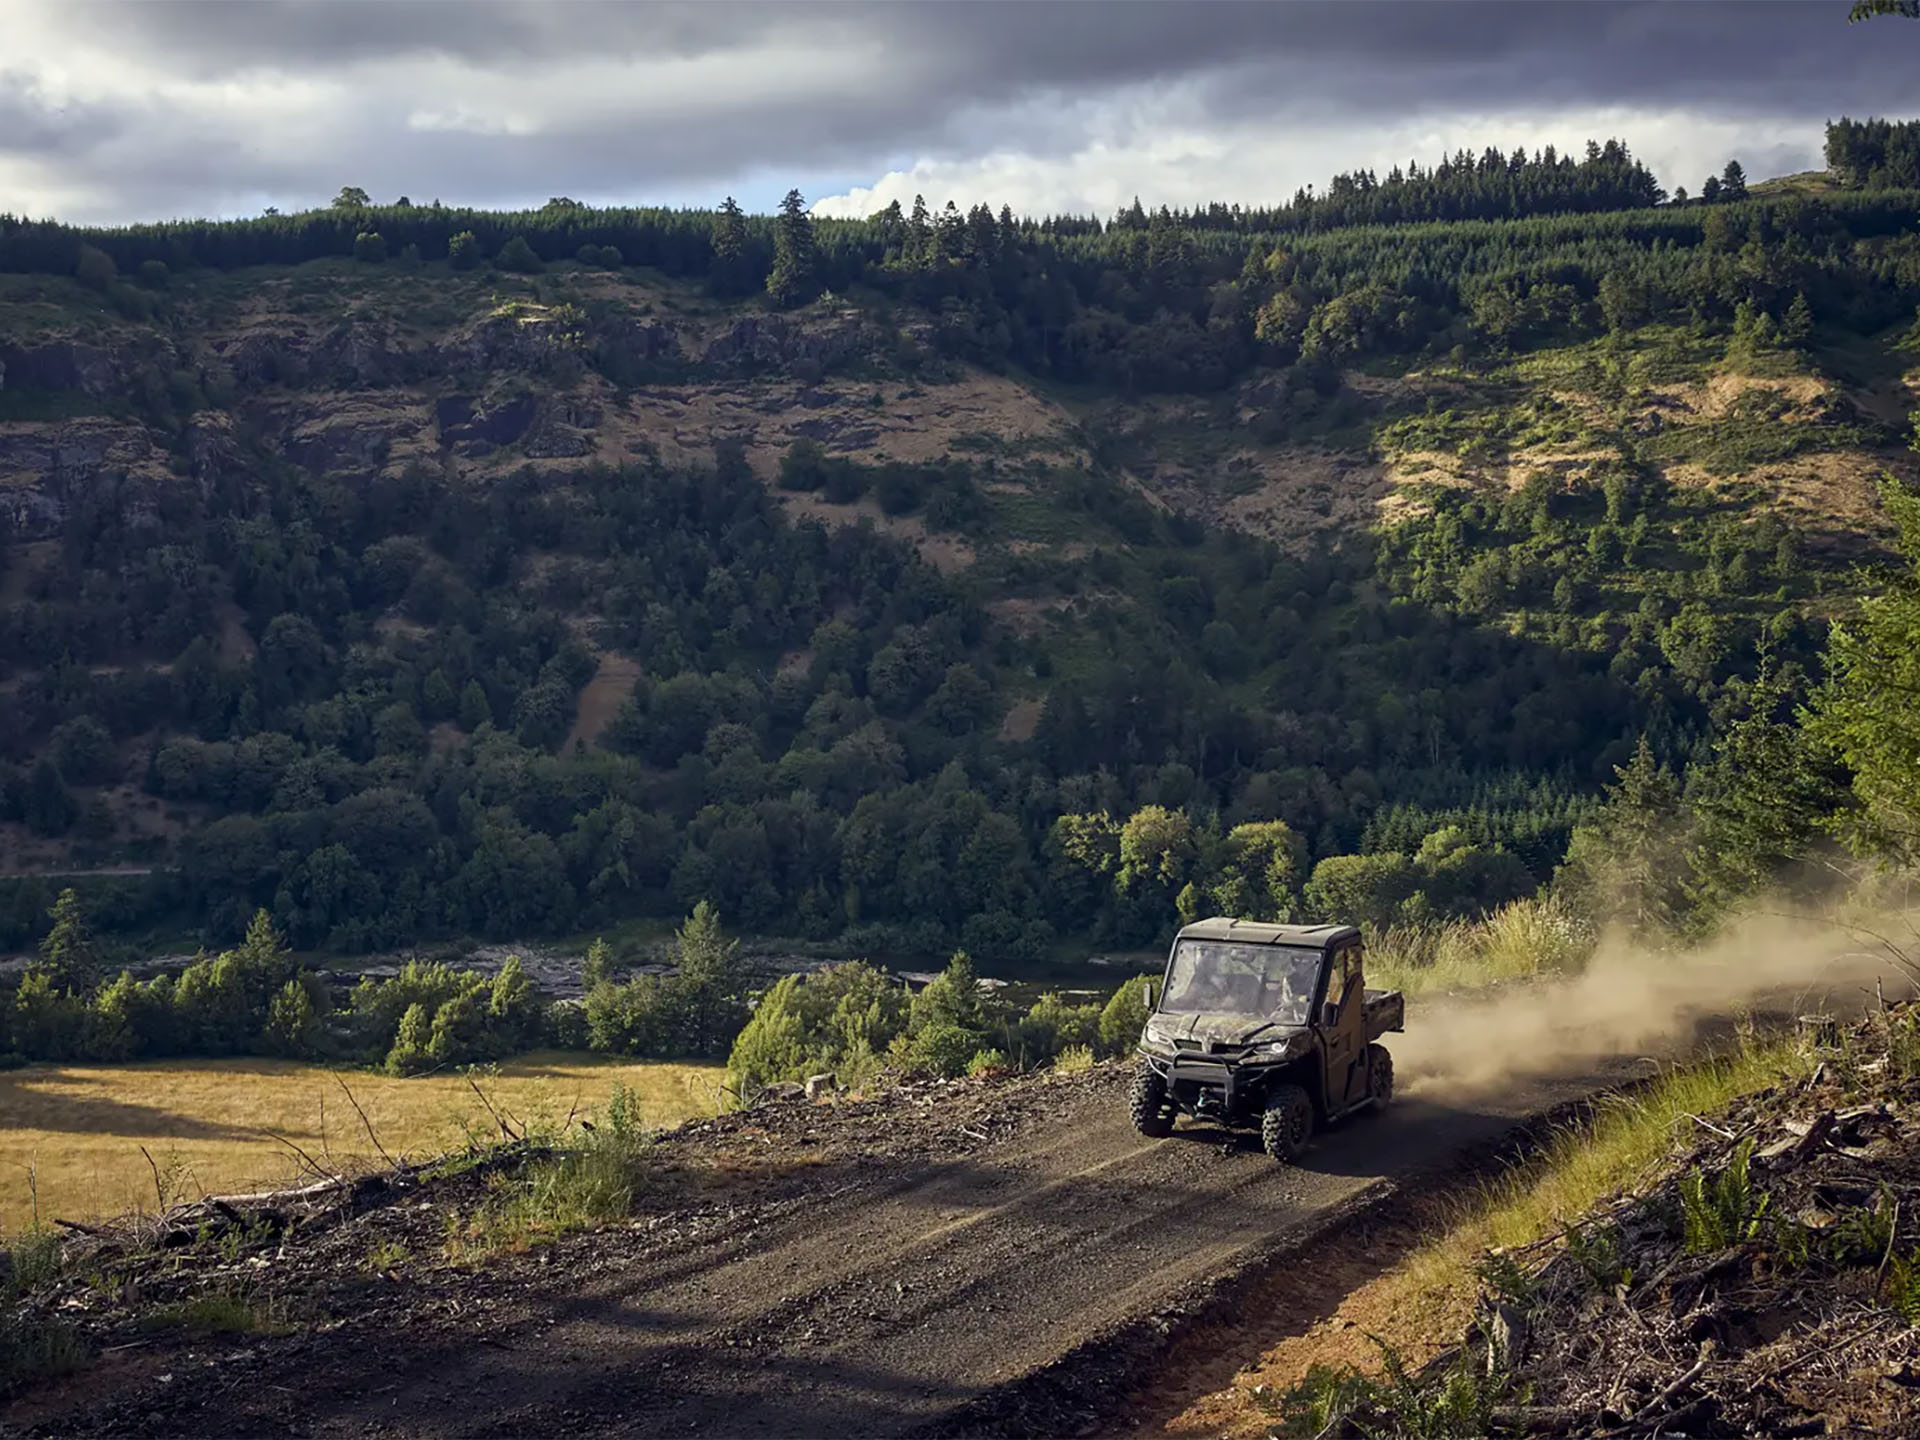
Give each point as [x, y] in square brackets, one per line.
[143, 109]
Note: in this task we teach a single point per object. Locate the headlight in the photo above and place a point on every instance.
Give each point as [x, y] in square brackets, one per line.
[1274, 1050]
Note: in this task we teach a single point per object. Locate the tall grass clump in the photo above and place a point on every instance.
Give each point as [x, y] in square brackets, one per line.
[1536, 936]
[33, 1347]
[587, 1180]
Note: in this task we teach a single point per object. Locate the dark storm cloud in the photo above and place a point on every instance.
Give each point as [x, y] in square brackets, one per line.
[1388, 58]
[30, 122]
[947, 81]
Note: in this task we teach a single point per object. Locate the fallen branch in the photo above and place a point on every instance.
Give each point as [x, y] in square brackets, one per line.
[1658, 1405]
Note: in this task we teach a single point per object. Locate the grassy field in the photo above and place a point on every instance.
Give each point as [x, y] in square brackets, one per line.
[75, 1132]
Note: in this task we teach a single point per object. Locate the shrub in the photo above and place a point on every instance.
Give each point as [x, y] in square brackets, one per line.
[409, 1053]
[951, 998]
[987, 1062]
[293, 1027]
[1074, 1059]
[1125, 1015]
[516, 255]
[837, 1019]
[641, 1016]
[1053, 1024]
[369, 247]
[463, 251]
[940, 1049]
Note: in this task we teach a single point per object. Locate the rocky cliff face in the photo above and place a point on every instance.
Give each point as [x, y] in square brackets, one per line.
[365, 389]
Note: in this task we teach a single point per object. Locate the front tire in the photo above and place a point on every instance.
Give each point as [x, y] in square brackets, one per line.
[1379, 1075]
[1287, 1125]
[1151, 1106]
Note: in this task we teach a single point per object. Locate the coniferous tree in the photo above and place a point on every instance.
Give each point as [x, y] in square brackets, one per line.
[1733, 182]
[728, 274]
[68, 956]
[792, 279]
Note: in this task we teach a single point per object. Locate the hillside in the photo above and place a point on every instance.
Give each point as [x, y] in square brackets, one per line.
[413, 597]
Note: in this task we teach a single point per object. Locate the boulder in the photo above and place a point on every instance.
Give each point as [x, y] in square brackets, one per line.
[819, 1085]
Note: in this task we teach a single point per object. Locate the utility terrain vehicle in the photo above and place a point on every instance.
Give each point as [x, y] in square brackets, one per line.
[1265, 1025]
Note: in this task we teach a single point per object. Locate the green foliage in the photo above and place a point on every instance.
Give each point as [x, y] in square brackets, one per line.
[1124, 1015]
[1721, 1210]
[369, 248]
[938, 1048]
[952, 998]
[518, 256]
[1864, 715]
[836, 1020]
[69, 956]
[1053, 1024]
[463, 250]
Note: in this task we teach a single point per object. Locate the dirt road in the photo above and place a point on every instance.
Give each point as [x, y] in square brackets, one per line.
[932, 1257]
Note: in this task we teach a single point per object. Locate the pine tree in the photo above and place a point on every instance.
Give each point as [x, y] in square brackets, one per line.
[918, 249]
[474, 709]
[709, 981]
[1733, 182]
[68, 956]
[1797, 327]
[728, 273]
[792, 280]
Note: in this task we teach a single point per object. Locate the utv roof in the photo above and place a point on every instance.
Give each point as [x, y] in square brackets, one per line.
[1258, 932]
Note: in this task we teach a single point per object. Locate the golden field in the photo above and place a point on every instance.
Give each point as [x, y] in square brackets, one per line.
[74, 1133]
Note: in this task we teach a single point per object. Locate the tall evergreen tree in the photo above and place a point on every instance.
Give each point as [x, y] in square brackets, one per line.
[68, 956]
[792, 280]
[727, 275]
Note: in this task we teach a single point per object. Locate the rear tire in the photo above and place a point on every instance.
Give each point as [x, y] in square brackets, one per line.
[1150, 1104]
[1287, 1125]
[1379, 1075]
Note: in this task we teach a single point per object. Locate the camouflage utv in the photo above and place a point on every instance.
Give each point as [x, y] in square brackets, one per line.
[1267, 1026]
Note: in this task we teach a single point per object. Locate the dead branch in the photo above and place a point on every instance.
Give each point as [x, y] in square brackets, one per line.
[1658, 1405]
[305, 1158]
[159, 1190]
[366, 1123]
[498, 1119]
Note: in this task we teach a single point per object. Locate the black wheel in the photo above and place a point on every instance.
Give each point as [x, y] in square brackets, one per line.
[1151, 1106]
[1288, 1124]
[1379, 1074]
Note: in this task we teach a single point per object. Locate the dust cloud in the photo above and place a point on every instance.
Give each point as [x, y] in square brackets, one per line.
[1631, 1003]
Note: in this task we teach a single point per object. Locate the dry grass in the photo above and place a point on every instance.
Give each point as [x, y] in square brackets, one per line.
[1417, 1305]
[206, 1123]
[1517, 942]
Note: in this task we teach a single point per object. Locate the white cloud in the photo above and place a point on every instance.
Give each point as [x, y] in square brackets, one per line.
[1257, 163]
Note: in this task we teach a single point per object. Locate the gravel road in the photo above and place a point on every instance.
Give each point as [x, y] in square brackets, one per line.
[881, 1268]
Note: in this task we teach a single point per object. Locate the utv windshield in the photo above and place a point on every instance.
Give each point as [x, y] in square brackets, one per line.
[1219, 977]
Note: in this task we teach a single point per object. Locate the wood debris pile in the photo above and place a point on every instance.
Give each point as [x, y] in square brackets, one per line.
[1765, 1282]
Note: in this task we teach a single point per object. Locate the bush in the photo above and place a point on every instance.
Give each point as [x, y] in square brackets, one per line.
[154, 274]
[516, 255]
[1125, 1015]
[941, 1049]
[987, 1062]
[463, 251]
[1074, 1059]
[1055, 1024]
[370, 247]
[641, 1016]
[838, 1019]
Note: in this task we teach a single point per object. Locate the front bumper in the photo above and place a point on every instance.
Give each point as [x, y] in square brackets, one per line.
[1204, 1084]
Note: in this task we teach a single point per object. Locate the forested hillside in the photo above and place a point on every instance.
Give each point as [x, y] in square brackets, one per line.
[943, 579]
